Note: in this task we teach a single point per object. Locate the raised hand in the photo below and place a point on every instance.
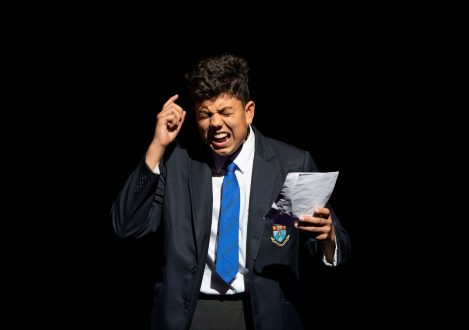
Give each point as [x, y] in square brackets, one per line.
[168, 124]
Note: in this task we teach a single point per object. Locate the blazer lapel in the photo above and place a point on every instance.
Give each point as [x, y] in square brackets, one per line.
[200, 190]
[266, 183]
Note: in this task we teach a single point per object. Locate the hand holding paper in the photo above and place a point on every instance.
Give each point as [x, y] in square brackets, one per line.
[302, 192]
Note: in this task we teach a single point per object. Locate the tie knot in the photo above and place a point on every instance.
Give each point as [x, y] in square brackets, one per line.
[231, 167]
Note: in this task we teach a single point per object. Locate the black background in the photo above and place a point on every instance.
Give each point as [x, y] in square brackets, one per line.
[355, 85]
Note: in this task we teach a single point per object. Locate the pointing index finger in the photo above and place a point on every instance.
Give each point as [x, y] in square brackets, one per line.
[171, 99]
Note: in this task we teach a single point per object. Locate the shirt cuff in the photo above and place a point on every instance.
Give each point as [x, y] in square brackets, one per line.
[156, 170]
[334, 260]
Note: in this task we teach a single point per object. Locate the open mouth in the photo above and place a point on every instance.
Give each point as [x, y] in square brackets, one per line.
[220, 140]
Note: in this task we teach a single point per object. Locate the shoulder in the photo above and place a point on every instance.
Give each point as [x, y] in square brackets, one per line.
[284, 147]
[278, 146]
[290, 156]
[181, 152]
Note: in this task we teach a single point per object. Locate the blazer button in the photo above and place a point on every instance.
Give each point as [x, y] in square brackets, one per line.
[194, 270]
[186, 303]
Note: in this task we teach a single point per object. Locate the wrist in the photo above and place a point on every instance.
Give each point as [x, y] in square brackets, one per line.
[154, 154]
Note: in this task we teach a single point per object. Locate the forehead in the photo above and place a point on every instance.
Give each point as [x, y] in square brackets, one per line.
[220, 102]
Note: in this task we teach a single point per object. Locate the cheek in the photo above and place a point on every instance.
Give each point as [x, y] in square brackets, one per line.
[202, 129]
[202, 125]
[241, 131]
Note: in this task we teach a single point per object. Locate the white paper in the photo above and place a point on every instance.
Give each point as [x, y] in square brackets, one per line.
[301, 193]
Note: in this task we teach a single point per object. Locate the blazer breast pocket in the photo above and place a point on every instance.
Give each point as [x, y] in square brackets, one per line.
[279, 246]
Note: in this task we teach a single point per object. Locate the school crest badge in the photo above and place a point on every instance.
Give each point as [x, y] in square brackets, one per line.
[279, 235]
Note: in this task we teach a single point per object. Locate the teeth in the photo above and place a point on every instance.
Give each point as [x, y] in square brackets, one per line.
[221, 135]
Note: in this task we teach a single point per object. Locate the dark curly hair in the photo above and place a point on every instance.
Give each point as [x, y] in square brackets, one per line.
[217, 75]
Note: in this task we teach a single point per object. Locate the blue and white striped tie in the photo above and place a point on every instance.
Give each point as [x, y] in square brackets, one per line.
[228, 228]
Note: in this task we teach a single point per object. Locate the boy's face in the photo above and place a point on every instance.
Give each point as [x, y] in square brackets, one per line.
[223, 122]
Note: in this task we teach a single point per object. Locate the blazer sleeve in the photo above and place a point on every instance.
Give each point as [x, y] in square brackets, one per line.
[138, 207]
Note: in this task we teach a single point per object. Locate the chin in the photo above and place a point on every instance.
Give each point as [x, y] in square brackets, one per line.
[222, 152]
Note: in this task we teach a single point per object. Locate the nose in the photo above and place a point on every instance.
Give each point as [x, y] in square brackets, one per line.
[215, 120]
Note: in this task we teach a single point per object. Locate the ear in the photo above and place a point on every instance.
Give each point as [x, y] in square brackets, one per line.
[249, 112]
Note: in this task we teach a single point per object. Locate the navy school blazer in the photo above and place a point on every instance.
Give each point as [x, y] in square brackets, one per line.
[180, 200]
